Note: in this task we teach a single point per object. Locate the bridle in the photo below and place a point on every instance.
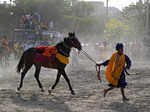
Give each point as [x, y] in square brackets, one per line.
[73, 44]
[97, 67]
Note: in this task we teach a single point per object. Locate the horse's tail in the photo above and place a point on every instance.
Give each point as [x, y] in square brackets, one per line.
[20, 64]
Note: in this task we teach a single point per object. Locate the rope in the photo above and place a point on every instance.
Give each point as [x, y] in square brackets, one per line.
[98, 73]
[97, 67]
[88, 56]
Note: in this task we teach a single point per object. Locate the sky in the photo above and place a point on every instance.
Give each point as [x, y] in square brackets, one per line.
[115, 3]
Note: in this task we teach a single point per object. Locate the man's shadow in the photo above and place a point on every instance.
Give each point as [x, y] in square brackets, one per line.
[123, 107]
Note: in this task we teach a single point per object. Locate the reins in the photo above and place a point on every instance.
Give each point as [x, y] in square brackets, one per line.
[91, 59]
[88, 56]
[98, 69]
[96, 66]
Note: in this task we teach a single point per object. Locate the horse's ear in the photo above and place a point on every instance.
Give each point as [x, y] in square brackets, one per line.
[74, 33]
[69, 34]
[65, 39]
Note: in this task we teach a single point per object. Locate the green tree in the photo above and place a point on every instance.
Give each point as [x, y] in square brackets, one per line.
[49, 9]
[82, 20]
[115, 29]
[134, 16]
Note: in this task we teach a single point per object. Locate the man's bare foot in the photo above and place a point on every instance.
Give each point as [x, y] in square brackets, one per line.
[105, 92]
[125, 99]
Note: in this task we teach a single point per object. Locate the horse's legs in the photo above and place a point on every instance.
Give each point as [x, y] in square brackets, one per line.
[57, 80]
[1, 59]
[25, 70]
[6, 60]
[68, 81]
[36, 75]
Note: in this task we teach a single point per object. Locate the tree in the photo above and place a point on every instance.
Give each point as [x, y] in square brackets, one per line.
[115, 29]
[70, 15]
[82, 20]
[134, 16]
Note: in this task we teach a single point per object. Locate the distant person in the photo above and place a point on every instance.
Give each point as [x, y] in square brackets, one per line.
[27, 46]
[115, 72]
[5, 43]
[51, 25]
[25, 19]
[104, 50]
[38, 17]
[4, 40]
[28, 20]
[20, 49]
[15, 47]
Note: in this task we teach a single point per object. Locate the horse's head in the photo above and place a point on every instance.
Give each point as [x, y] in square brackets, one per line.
[73, 41]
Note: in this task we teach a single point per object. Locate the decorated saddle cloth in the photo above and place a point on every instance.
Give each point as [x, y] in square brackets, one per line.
[49, 54]
[115, 68]
[62, 59]
[47, 50]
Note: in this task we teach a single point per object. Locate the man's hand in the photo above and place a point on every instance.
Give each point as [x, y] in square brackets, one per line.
[98, 64]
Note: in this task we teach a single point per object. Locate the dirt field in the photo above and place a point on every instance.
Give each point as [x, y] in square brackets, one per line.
[89, 91]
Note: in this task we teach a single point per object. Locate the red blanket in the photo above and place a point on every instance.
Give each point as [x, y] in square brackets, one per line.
[41, 49]
[44, 59]
[47, 50]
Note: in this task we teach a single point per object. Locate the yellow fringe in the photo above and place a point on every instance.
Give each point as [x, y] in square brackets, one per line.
[62, 59]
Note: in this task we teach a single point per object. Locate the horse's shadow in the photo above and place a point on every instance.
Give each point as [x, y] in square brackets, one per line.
[35, 101]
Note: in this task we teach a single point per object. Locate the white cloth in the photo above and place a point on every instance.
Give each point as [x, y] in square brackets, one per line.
[26, 47]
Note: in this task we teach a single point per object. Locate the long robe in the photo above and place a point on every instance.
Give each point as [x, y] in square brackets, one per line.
[116, 78]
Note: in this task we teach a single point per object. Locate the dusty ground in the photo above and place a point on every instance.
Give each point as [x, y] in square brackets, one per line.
[89, 91]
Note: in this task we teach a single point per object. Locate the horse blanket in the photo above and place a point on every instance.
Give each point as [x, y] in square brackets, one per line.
[49, 54]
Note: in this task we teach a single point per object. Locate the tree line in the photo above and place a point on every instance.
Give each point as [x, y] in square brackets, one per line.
[71, 15]
[65, 15]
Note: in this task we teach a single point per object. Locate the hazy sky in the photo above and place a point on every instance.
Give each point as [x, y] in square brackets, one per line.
[116, 3]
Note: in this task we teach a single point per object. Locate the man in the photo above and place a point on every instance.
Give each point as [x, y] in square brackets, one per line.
[115, 72]
[38, 17]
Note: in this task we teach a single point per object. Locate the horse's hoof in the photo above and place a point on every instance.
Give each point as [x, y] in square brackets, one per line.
[17, 91]
[72, 92]
[50, 92]
[42, 90]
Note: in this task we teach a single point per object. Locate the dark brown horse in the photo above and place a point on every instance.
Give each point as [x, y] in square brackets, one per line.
[64, 48]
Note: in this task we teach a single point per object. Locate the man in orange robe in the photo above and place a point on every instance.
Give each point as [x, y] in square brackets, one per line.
[115, 72]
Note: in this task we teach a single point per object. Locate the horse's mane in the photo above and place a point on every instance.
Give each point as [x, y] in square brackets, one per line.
[63, 48]
[60, 43]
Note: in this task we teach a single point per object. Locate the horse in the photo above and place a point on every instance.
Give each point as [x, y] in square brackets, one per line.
[28, 57]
